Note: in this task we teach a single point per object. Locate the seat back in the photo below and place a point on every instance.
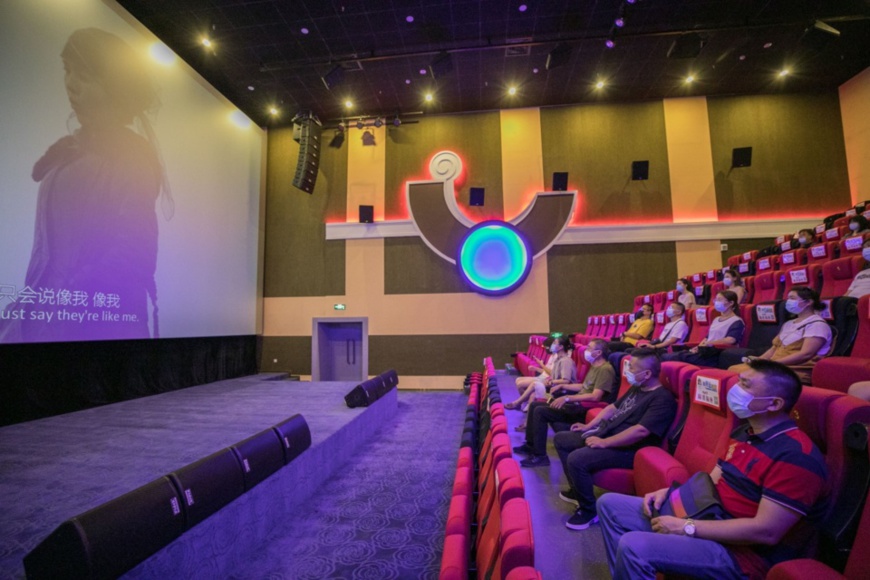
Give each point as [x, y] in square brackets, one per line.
[746, 269]
[861, 346]
[768, 287]
[746, 315]
[749, 287]
[782, 239]
[713, 276]
[841, 312]
[676, 377]
[767, 263]
[702, 294]
[749, 256]
[821, 252]
[792, 258]
[767, 319]
[811, 411]
[733, 261]
[621, 323]
[837, 275]
[660, 301]
[701, 319]
[852, 246]
[659, 320]
[709, 422]
[697, 279]
[808, 275]
[607, 326]
[859, 559]
[638, 302]
[834, 234]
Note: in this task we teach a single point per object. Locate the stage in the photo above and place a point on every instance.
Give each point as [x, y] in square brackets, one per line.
[58, 467]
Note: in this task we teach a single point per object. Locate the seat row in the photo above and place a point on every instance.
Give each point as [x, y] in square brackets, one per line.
[489, 530]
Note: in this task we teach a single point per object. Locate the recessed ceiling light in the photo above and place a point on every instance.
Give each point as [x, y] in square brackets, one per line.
[741, 57]
[523, 8]
[422, 71]
[206, 42]
[250, 87]
[409, 18]
[599, 85]
[273, 111]
[768, 44]
[407, 81]
[536, 70]
[609, 43]
[429, 97]
[690, 79]
[304, 30]
[512, 91]
[348, 104]
[619, 22]
[784, 72]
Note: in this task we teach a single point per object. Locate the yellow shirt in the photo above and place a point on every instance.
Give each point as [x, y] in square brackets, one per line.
[641, 326]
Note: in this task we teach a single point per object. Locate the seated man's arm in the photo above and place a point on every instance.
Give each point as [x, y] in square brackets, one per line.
[607, 413]
[770, 524]
[595, 395]
[630, 436]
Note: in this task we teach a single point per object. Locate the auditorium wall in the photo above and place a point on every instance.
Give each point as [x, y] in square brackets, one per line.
[422, 318]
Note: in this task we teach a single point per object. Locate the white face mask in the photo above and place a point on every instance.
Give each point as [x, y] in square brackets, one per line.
[680, 286]
[854, 226]
[727, 282]
[739, 400]
[554, 348]
[866, 253]
[793, 306]
[721, 306]
[588, 356]
[632, 378]
[802, 240]
[670, 312]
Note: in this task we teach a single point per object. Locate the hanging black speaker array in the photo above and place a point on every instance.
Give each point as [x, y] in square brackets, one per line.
[306, 132]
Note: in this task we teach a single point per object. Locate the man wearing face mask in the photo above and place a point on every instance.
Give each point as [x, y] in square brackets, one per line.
[674, 332]
[562, 411]
[640, 329]
[771, 481]
[639, 418]
[861, 282]
[803, 240]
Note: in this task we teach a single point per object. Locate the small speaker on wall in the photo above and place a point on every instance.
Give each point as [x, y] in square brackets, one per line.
[639, 170]
[560, 181]
[741, 157]
[476, 195]
[366, 214]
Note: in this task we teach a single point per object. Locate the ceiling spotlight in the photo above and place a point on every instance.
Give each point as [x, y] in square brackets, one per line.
[768, 44]
[609, 43]
[536, 70]
[409, 19]
[304, 30]
[523, 8]
[630, 1]
[784, 72]
[341, 126]
[512, 91]
[429, 97]
[348, 104]
[273, 111]
[690, 79]
[619, 22]
[599, 85]
[379, 122]
[206, 42]
[397, 121]
[360, 125]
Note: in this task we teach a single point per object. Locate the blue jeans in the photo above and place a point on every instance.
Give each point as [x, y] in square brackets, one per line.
[635, 551]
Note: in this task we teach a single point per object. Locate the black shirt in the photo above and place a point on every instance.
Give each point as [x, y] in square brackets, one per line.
[653, 409]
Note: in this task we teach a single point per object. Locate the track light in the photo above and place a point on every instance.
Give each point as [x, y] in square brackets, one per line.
[397, 121]
[360, 124]
[379, 122]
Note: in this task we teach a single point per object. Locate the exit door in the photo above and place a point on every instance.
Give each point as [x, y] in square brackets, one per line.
[339, 350]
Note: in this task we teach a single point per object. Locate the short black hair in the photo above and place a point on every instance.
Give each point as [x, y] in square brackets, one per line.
[649, 359]
[780, 381]
[863, 224]
[601, 344]
[567, 343]
[807, 293]
[679, 305]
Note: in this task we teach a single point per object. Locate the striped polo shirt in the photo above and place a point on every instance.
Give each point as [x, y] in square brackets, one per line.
[783, 465]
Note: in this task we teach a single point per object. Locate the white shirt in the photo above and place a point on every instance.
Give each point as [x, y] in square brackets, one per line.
[677, 329]
[860, 284]
[813, 326]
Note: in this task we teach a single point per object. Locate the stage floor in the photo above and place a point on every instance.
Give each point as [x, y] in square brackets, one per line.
[58, 467]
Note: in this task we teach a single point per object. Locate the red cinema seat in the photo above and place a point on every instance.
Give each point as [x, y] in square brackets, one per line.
[702, 294]
[660, 301]
[638, 302]
[588, 328]
[459, 515]
[793, 258]
[621, 323]
[839, 372]
[768, 287]
[766, 263]
[843, 221]
[674, 377]
[837, 275]
[749, 286]
[516, 539]
[746, 269]
[746, 315]
[733, 261]
[594, 407]
[820, 253]
[782, 239]
[607, 327]
[834, 234]
[701, 318]
[454, 559]
[659, 320]
[852, 246]
[749, 256]
[704, 438]
[809, 275]
[524, 573]
[718, 287]
[711, 277]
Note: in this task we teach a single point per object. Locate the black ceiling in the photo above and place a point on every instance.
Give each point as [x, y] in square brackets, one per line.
[261, 57]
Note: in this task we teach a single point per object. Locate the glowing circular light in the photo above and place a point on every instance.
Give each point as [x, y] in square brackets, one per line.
[206, 42]
[407, 81]
[512, 91]
[409, 19]
[429, 97]
[619, 22]
[784, 72]
[161, 53]
[423, 71]
[609, 43]
[494, 258]
[523, 8]
[536, 70]
[348, 104]
[690, 79]
[599, 85]
[304, 31]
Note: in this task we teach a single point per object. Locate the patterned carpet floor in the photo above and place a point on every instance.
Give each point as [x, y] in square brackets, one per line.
[382, 517]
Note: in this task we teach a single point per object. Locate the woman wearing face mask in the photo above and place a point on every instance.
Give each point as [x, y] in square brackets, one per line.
[861, 282]
[684, 293]
[725, 331]
[564, 372]
[541, 368]
[674, 332]
[858, 226]
[801, 342]
[731, 280]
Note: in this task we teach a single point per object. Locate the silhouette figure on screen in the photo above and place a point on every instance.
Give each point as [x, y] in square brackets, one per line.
[94, 256]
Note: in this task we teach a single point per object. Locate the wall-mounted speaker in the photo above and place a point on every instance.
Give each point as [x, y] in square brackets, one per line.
[741, 157]
[560, 181]
[366, 214]
[307, 131]
[476, 196]
[639, 170]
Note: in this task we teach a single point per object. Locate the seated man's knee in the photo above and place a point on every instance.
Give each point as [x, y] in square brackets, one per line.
[565, 441]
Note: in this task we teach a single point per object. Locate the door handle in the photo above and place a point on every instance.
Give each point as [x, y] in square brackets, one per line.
[347, 351]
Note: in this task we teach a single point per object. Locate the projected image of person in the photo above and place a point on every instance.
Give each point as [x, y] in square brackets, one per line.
[94, 255]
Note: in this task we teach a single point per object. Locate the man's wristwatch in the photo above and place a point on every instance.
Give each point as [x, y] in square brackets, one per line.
[689, 528]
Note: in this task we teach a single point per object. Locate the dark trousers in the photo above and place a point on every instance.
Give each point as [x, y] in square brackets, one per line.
[541, 416]
[581, 463]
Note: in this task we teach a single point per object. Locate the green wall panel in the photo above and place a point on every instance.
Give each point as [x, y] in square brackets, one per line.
[299, 261]
[798, 155]
[474, 137]
[410, 267]
[596, 145]
[604, 278]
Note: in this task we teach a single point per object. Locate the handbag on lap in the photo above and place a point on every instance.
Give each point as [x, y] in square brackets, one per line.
[697, 499]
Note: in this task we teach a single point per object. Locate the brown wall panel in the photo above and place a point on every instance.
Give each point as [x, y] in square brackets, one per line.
[798, 155]
[596, 144]
[410, 267]
[433, 355]
[474, 137]
[292, 352]
[604, 278]
[299, 260]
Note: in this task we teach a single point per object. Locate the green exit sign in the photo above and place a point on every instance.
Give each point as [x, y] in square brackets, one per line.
[340, 307]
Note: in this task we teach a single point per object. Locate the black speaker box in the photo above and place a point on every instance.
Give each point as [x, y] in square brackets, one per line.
[366, 214]
[208, 485]
[639, 170]
[309, 132]
[741, 157]
[363, 395]
[260, 456]
[560, 181]
[294, 435]
[476, 196]
[109, 540]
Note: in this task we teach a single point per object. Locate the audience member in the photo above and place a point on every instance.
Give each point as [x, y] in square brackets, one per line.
[732, 281]
[674, 332]
[639, 418]
[725, 330]
[570, 408]
[564, 372]
[804, 239]
[641, 328]
[861, 282]
[685, 295]
[543, 370]
[771, 482]
[802, 341]
[858, 226]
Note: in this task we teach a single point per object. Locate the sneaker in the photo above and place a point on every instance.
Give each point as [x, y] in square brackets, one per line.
[569, 496]
[581, 521]
[524, 449]
[535, 461]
